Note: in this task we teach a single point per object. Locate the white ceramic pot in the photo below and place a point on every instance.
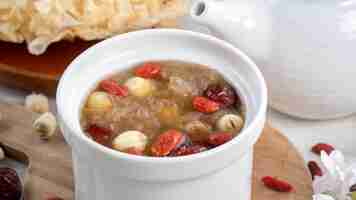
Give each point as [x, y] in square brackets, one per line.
[103, 173]
[305, 49]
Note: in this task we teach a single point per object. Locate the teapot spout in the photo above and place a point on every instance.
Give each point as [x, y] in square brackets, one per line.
[206, 12]
[244, 23]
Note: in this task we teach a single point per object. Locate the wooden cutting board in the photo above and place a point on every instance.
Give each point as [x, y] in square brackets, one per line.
[50, 165]
[22, 70]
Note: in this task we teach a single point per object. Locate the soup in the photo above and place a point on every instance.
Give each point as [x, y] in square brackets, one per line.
[163, 109]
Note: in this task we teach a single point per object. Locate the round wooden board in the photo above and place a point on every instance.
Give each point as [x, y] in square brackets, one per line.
[51, 166]
[22, 70]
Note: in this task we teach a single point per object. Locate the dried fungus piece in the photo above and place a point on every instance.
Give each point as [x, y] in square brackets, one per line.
[37, 103]
[45, 125]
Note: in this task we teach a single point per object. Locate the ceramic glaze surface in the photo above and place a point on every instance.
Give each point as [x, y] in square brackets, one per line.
[103, 173]
[304, 49]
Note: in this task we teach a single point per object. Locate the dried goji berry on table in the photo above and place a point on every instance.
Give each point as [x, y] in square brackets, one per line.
[277, 184]
[188, 150]
[167, 142]
[317, 148]
[99, 134]
[220, 138]
[10, 184]
[314, 169]
[205, 105]
[112, 87]
[148, 70]
[222, 94]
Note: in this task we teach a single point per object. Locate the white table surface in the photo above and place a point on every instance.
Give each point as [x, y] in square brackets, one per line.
[302, 133]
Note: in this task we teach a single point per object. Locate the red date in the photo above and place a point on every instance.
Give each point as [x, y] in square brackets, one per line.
[217, 139]
[188, 150]
[224, 95]
[10, 184]
[99, 134]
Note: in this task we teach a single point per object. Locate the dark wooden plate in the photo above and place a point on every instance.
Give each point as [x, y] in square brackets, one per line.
[19, 69]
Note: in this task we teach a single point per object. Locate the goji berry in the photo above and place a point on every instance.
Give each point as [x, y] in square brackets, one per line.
[112, 87]
[134, 151]
[148, 70]
[10, 184]
[188, 150]
[314, 169]
[220, 138]
[322, 147]
[205, 105]
[276, 184]
[99, 134]
[222, 94]
[166, 143]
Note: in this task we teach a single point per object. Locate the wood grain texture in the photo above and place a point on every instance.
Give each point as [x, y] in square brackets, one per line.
[51, 167]
[19, 69]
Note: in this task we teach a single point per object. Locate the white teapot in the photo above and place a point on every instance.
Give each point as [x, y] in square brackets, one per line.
[306, 49]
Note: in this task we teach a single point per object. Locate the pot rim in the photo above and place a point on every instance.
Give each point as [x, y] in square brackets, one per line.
[256, 119]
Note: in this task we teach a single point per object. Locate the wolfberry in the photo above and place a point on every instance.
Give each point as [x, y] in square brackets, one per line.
[220, 138]
[205, 105]
[112, 87]
[148, 70]
[134, 151]
[276, 184]
[322, 147]
[222, 94]
[10, 184]
[188, 150]
[99, 134]
[353, 188]
[314, 169]
[166, 143]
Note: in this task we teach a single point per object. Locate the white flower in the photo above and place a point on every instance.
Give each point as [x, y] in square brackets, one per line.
[337, 178]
